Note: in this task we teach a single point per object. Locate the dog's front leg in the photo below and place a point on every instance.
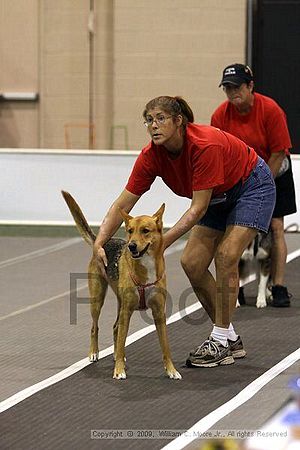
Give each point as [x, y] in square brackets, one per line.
[115, 332]
[261, 301]
[158, 311]
[122, 331]
[97, 288]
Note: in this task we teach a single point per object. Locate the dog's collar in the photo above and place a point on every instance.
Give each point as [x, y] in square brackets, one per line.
[141, 290]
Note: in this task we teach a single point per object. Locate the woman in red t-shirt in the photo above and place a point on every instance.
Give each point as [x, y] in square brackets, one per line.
[261, 123]
[232, 196]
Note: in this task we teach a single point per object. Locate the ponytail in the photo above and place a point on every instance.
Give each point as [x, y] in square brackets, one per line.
[185, 109]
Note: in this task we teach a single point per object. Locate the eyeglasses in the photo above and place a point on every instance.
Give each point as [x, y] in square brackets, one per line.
[159, 120]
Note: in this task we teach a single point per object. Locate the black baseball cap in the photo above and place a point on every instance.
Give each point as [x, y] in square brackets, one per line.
[236, 74]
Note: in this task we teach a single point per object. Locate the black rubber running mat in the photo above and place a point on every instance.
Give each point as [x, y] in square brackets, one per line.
[63, 415]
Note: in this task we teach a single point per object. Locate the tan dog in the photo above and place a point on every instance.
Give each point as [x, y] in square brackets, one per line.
[136, 274]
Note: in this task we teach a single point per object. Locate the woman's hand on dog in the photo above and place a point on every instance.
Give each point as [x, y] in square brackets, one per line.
[100, 255]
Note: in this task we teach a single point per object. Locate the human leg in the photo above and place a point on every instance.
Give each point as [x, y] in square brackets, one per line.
[228, 254]
[279, 251]
[281, 297]
[215, 350]
[249, 212]
[196, 258]
[285, 205]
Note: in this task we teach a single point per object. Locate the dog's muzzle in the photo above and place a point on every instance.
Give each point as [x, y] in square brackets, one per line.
[134, 251]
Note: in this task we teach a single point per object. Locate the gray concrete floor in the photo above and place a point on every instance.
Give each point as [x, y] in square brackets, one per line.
[37, 339]
[36, 334]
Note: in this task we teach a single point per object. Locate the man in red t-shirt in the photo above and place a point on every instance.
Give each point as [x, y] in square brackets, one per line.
[261, 123]
[232, 196]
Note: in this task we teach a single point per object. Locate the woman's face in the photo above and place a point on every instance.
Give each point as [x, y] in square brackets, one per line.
[239, 96]
[163, 127]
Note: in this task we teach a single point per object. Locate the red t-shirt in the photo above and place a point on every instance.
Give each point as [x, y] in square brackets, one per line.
[264, 128]
[211, 159]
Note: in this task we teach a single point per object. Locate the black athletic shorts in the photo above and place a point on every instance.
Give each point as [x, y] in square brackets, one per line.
[285, 194]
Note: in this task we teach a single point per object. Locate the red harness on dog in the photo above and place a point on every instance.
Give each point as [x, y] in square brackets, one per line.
[141, 290]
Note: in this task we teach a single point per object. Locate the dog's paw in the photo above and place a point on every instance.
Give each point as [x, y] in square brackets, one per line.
[261, 302]
[93, 357]
[174, 375]
[237, 305]
[119, 375]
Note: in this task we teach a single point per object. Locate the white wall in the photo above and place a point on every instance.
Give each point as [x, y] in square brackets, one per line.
[31, 181]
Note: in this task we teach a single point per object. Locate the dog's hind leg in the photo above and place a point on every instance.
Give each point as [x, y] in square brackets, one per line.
[121, 334]
[159, 316]
[97, 287]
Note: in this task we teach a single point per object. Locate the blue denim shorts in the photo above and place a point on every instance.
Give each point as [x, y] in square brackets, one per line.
[249, 204]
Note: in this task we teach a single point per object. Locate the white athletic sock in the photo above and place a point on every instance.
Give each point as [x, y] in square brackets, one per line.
[220, 334]
[231, 333]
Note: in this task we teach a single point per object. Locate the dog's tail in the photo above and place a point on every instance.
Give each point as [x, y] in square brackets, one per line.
[81, 223]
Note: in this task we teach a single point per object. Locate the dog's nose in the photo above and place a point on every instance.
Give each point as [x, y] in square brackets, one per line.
[132, 247]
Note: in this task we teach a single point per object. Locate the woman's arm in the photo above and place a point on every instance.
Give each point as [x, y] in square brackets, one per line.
[196, 211]
[112, 222]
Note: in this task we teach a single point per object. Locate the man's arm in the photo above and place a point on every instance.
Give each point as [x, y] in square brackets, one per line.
[196, 211]
[275, 161]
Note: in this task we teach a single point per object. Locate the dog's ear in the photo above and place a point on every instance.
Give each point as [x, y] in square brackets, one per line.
[160, 212]
[126, 217]
[158, 215]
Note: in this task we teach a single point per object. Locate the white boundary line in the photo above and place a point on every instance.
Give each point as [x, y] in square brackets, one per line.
[293, 255]
[248, 392]
[22, 395]
[41, 303]
[25, 393]
[252, 276]
[41, 252]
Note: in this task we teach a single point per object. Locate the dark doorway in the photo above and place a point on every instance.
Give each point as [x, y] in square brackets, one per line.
[276, 57]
